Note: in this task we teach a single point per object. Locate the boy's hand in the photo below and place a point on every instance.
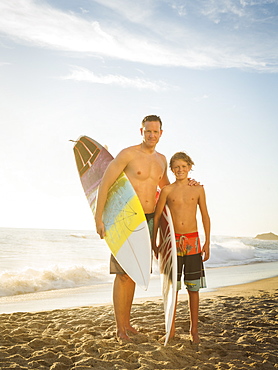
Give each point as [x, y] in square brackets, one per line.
[205, 252]
[155, 250]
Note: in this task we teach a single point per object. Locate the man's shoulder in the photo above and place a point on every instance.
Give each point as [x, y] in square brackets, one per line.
[162, 156]
[131, 150]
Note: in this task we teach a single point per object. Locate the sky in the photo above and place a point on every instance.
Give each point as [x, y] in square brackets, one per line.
[208, 68]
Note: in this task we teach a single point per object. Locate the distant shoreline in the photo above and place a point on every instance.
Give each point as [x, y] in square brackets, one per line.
[267, 236]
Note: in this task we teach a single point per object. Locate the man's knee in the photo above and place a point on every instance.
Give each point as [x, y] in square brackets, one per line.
[123, 278]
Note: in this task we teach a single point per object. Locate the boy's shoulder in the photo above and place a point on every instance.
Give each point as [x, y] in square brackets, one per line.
[195, 188]
[185, 187]
[167, 188]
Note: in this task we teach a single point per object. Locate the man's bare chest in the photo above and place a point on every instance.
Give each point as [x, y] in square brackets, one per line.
[145, 168]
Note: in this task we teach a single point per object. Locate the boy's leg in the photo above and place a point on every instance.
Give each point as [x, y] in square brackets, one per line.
[194, 314]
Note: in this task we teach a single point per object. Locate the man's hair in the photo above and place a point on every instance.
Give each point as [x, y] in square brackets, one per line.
[183, 156]
[152, 118]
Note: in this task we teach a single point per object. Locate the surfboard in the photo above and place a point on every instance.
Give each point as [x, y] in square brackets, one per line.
[127, 233]
[167, 260]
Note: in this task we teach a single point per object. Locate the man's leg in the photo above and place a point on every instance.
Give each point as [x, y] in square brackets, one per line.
[194, 314]
[123, 293]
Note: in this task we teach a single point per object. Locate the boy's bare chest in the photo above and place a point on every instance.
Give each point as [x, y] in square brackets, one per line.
[184, 197]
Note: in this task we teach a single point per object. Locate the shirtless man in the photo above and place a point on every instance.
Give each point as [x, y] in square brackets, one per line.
[183, 201]
[146, 169]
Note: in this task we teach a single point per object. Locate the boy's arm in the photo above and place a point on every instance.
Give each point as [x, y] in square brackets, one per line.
[158, 212]
[206, 224]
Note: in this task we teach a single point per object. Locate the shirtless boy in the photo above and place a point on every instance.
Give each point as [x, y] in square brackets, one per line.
[146, 169]
[183, 201]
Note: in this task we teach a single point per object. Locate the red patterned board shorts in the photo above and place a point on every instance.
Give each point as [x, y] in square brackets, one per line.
[190, 262]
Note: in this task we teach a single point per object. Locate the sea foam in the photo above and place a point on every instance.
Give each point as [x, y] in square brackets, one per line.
[31, 281]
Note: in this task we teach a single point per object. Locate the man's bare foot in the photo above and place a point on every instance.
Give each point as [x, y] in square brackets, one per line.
[132, 330]
[123, 338]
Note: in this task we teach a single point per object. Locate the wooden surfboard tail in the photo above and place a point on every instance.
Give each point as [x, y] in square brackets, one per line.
[168, 268]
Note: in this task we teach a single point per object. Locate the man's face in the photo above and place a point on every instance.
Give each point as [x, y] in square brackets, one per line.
[151, 133]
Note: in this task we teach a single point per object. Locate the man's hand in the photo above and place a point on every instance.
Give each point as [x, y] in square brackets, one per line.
[100, 229]
[192, 182]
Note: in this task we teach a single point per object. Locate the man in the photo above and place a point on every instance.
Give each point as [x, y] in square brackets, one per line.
[146, 169]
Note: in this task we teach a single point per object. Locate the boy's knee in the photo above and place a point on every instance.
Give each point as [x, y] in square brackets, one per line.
[193, 285]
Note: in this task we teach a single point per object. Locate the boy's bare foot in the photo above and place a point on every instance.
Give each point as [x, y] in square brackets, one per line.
[194, 337]
[194, 346]
[194, 341]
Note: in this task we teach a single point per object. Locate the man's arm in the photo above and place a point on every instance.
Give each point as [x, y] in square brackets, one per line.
[206, 224]
[114, 169]
[164, 181]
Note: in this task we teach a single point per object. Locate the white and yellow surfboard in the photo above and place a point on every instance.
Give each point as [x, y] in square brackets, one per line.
[127, 233]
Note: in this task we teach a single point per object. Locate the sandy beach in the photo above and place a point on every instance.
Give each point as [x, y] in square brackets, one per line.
[238, 330]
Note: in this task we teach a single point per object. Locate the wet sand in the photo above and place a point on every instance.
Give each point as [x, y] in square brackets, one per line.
[237, 325]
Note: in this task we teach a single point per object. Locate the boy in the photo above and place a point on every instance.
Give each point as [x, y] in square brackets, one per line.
[182, 201]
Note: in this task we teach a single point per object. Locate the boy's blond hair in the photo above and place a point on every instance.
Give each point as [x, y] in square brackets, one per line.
[183, 156]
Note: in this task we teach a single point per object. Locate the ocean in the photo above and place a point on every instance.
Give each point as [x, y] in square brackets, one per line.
[33, 261]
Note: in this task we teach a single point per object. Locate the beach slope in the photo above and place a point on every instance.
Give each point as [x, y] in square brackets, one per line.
[238, 330]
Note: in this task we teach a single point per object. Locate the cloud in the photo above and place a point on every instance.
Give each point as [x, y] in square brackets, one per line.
[83, 74]
[152, 37]
[42, 25]
[201, 98]
[137, 12]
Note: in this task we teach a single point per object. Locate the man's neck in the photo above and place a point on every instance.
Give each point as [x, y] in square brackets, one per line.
[147, 149]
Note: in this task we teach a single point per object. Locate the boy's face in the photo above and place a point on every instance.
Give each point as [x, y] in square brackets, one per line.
[180, 168]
